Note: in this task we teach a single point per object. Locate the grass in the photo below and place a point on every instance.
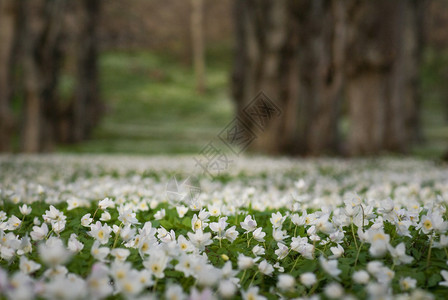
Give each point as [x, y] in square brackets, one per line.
[153, 107]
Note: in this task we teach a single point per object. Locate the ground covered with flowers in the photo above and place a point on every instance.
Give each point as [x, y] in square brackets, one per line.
[92, 227]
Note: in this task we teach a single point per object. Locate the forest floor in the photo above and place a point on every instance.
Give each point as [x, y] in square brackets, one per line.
[152, 107]
[84, 227]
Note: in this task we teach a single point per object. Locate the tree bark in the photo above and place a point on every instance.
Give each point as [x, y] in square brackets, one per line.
[42, 33]
[382, 77]
[197, 34]
[87, 107]
[8, 14]
[294, 52]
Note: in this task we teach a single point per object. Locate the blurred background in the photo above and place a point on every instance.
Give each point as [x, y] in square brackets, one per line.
[352, 77]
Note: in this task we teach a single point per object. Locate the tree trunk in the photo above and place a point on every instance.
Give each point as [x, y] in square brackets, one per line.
[294, 52]
[42, 28]
[87, 106]
[322, 57]
[382, 86]
[7, 39]
[197, 34]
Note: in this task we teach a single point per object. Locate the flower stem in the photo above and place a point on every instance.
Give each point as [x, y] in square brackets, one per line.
[429, 252]
[354, 237]
[116, 237]
[256, 273]
[357, 254]
[94, 214]
[242, 277]
[295, 263]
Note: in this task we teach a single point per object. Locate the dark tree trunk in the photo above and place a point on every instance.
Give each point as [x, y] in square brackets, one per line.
[321, 68]
[87, 107]
[382, 77]
[8, 12]
[294, 52]
[41, 42]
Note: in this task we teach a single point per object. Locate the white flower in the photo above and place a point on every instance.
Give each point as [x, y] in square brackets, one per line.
[73, 244]
[379, 242]
[219, 227]
[200, 239]
[105, 216]
[252, 294]
[249, 224]
[407, 283]
[53, 215]
[323, 225]
[120, 254]
[127, 233]
[106, 203]
[282, 251]
[286, 282]
[298, 220]
[28, 266]
[337, 251]
[265, 268]
[100, 232]
[39, 233]
[227, 288]
[231, 234]
[99, 253]
[98, 281]
[127, 216]
[426, 224]
[245, 262]
[53, 252]
[399, 254]
[444, 274]
[156, 263]
[259, 235]
[58, 226]
[198, 223]
[25, 210]
[334, 291]
[214, 210]
[174, 292]
[330, 266]
[361, 277]
[166, 236]
[277, 220]
[13, 223]
[160, 214]
[308, 279]
[257, 250]
[86, 220]
[184, 244]
[279, 235]
[181, 211]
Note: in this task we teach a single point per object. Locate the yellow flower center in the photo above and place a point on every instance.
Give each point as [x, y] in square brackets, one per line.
[427, 224]
[120, 274]
[379, 236]
[155, 268]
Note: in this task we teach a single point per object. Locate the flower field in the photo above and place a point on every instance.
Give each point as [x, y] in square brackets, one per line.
[106, 227]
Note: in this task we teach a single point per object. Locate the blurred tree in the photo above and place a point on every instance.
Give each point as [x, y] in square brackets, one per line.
[384, 46]
[197, 34]
[86, 105]
[309, 55]
[41, 57]
[8, 12]
[294, 52]
[45, 41]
